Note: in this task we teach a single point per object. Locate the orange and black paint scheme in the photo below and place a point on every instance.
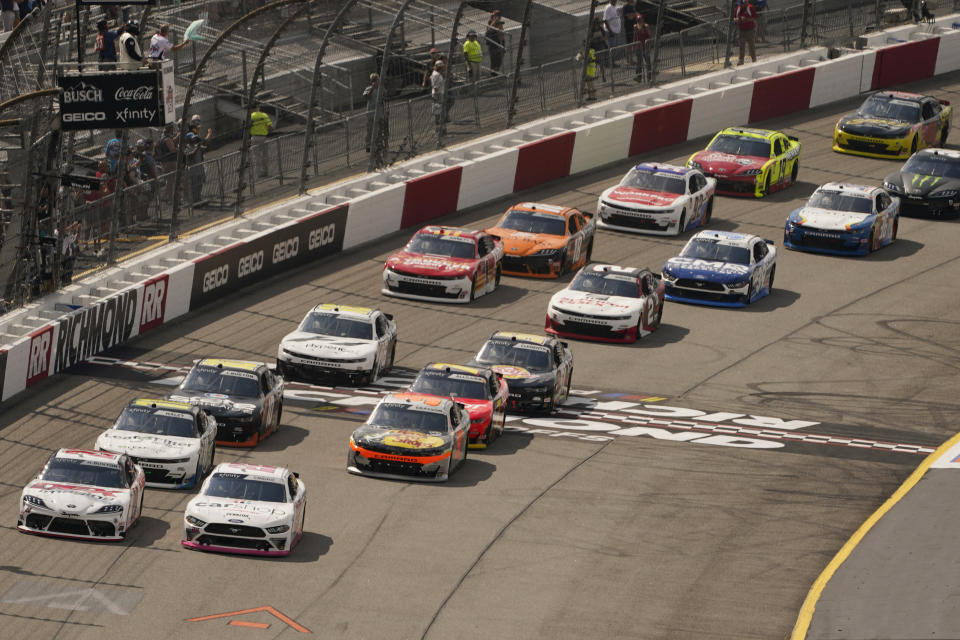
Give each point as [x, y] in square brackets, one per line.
[544, 240]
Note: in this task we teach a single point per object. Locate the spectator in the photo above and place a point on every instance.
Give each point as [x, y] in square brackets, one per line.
[630, 14]
[612, 27]
[641, 35]
[761, 6]
[129, 53]
[435, 56]
[260, 127]
[9, 11]
[106, 177]
[194, 127]
[372, 95]
[496, 42]
[590, 72]
[194, 148]
[168, 145]
[105, 46]
[599, 43]
[473, 55]
[438, 89]
[25, 7]
[745, 16]
[112, 152]
[160, 45]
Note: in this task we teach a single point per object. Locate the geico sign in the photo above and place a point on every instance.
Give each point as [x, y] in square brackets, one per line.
[286, 249]
[250, 264]
[216, 278]
[86, 116]
[322, 236]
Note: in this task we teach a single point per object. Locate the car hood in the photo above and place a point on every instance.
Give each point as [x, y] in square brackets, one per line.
[631, 196]
[143, 445]
[828, 220]
[726, 163]
[859, 125]
[233, 511]
[430, 265]
[79, 499]
[401, 441]
[594, 304]
[218, 404]
[706, 270]
[327, 346]
[915, 184]
[524, 243]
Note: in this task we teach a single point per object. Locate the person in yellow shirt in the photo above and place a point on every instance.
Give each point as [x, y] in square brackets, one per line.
[260, 127]
[473, 55]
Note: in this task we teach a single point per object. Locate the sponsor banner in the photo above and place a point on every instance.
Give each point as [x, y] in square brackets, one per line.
[92, 329]
[3, 367]
[39, 356]
[306, 240]
[111, 100]
[154, 303]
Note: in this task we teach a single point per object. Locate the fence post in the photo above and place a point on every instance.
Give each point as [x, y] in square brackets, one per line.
[512, 102]
[731, 31]
[279, 157]
[220, 184]
[803, 23]
[850, 19]
[683, 66]
[655, 66]
[879, 17]
[543, 98]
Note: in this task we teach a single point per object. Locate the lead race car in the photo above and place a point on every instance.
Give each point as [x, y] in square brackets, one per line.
[247, 509]
[844, 219]
[336, 341]
[445, 264]
[544, 240]
[721, 269]
[750, 162]
[174, 442]
[481, 390]
[246, 398]
[87, 495]
[893, 124]
[607, 303]
[928, 184]
[538, 369]
[660, 199]
[411, 436]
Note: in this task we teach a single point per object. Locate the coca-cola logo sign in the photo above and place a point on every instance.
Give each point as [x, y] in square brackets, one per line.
[137, 93]
[107, 100]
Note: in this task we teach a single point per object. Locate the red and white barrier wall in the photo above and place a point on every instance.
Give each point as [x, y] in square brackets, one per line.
[364, 209]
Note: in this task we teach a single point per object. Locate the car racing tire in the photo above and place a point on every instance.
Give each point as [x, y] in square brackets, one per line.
[773, 272]
[896, 227]
[213, 455]
[658, 319]
[749, 294]
[564, 266]
[943, 136]
[709, 214]
[496, 279]
[766, 185]
[566, 392]
[914, 145]
[393, 355]
[871, 240]
[371, 376]
[199, 474]
[795, 172]
[473, 287]
[683, 222]
[589, 252]
[279, 414]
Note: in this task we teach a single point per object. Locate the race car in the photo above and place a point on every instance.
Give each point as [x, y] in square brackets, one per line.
[335, 341]
[721, 269]
[247, 509]
[844, 219]
[411, 436]
[607, 303]
[660, 199]
[172, 441]
[246, 398]
[893, 124]
[538, 369]
[544, 240]
[482, 391]
[87, 495]
[928, 184]
[749, 162]
[445, 264]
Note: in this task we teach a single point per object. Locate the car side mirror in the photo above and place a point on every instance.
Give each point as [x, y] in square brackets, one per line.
[768, 241]
[296, 475]
[389, 316]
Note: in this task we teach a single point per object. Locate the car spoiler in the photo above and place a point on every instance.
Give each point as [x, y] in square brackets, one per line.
[494, 236]
[588, 214]
[794, 138]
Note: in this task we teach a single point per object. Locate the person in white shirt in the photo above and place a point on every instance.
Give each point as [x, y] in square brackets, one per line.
[611, 23]
[160, 45]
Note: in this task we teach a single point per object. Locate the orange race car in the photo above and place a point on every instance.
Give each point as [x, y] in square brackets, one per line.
[544, 240]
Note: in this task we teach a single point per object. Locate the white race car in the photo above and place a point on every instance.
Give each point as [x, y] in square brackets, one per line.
[172, 441]
[334, 341]
[90, 495]
[608, 304]
[247, 509]
[659, 199]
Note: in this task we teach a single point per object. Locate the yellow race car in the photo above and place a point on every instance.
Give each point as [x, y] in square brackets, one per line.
[893, 124]
[749, 162]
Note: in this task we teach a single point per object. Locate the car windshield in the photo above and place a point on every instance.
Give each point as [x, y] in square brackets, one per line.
[890, 109]
[528, 356]
[933, 165]
[533, 222]
[240, 487]
[160, 422]
[403, 416]
[223, 381]
[328, 324]
[83, 472]
[704, 249]
[741, 146]
[437, 245]
[606, 284]
[836, 201]
[461, 385]
[654, 181]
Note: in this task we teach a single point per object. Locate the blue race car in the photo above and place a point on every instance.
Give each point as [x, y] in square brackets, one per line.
[721, 269]
[844, 219]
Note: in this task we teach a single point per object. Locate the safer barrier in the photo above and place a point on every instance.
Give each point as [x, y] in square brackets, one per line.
[344, 216]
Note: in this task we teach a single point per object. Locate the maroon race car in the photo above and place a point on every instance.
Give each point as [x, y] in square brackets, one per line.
[444, 264]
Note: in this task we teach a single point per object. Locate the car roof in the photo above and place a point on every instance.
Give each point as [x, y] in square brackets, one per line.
[168, 405]
[853, 189]
[458, 232]
[94, 457]
[236, 365]
[900, 95]
[613, 269]
[517, 336]
[419, 401]
[937, 151]
[446, 367]
[748, 131]
[540, 207]
[726, 237]
[657, 167]
[254, 470]
[344, 310]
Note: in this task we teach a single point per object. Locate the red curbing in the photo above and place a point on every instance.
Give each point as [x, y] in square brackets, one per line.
[660, 126]
[430, 196]
[781, 94]
[544, 160]
[905, 62]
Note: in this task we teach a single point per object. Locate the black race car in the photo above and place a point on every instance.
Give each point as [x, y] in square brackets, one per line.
[538, 369]
[928, 184]
[246, 398]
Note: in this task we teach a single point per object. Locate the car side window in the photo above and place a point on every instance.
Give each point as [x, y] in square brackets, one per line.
[199, 422]
[265, 382]
[128, 471]
[883, 202]
[759, 251]
[645, 285]
[381, 324]
[292, 486]
[572, 226]
[494, 386]
[700, 181]
[928, 111]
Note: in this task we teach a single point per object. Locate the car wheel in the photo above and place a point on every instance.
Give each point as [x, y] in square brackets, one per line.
[564, 267]
[893, 233]
[773, 272]
[199, 473]
[793, 174]
[496, 281]
[871, 240]
[279, 414]
[683, 222]
[914, 144]
[473, 288]
[706, 218]
[566, 392]
[766, 186]
[589, 252]
[393, 354]
[371, 376]
[749, 293]
[213, 453]
[943, 136]
[658, 319]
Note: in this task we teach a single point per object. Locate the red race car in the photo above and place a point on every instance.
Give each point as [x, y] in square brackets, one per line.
[479, 389]
[445, 264]
[749, 162]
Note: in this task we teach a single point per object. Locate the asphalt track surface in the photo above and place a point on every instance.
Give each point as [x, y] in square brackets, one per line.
[569, 530]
